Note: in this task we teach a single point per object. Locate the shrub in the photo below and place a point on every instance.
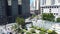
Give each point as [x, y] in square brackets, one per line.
[33, 30]
[49, 31]
[42, 32]
[48, 16]
[58, 19]
[24, 30]
[20, 21]
[28, 33]
[43, 29]
[53, 32]
[38, 28]
[35, 27]
[33, 16]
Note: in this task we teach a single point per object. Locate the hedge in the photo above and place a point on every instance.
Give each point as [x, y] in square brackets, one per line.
[48, 16]
[58, 19]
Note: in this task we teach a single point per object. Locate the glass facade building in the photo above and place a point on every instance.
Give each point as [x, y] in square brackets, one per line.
[3, 10]
[13, 8]
[25, 8]
[3, 7]
[14, 4]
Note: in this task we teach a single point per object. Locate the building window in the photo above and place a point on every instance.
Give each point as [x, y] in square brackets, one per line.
[50, 10]
[57, 6]
[55, 13]
[48, 7]
[52, 6]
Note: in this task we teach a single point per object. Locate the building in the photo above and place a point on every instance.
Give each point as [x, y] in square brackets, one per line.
[51, 6]
[10, 9]
[32, 7]
[17, 8]
[3, 10]
[3, 7]
[35, 7]
[26, 8]
[20, 7]
[14, 5]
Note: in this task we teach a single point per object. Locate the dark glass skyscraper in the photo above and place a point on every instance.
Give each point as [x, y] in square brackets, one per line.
[10, 9]
[14, 7]
[3, 10]
[3, 7]
[25, 8]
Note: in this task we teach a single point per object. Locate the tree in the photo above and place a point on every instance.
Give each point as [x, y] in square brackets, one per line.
[18, 27]
[20, 21]
[48, 16]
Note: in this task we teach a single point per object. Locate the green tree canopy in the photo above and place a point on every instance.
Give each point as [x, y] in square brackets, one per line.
[20, 21]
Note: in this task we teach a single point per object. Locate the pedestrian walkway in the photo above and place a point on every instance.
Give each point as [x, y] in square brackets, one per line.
[56, 27]
[6, 28]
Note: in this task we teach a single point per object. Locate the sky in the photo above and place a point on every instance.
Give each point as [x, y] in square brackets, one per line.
[31, 1]
[31, 7]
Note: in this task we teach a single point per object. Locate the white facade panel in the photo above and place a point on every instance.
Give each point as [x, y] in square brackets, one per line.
[59, 11]
[46, 10]
[57, 2]
[54, 10]
[48, 2]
